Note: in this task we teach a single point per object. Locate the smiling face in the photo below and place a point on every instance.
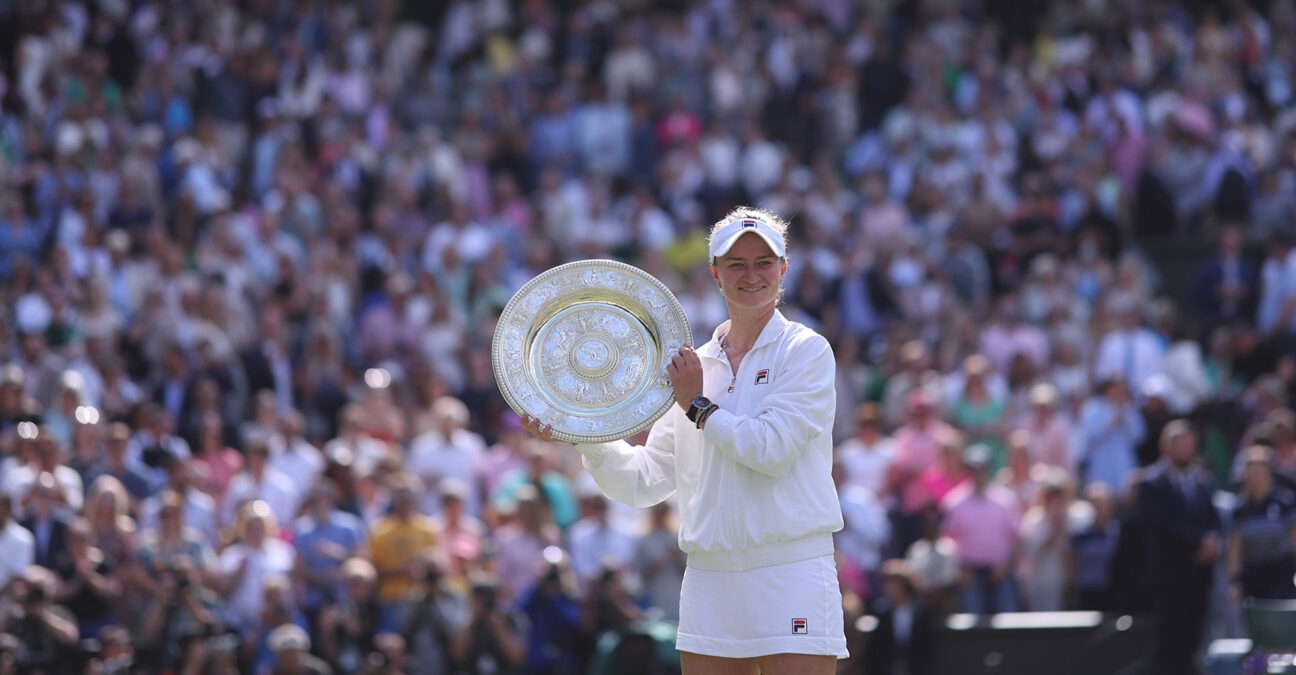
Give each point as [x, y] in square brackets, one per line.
[750, 274]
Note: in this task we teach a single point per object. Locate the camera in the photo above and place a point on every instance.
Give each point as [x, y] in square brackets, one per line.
[35, 595]
[155, 457]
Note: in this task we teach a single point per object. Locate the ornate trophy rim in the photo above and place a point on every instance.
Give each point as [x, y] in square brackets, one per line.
[583, 348]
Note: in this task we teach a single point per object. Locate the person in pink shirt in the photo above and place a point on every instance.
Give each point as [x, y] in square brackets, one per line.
[983, 521]
[1050, 432]
[941, 478]
[917, 446]
[1007, 335]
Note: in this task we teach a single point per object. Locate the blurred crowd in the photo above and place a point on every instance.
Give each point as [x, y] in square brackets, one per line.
[251, 254]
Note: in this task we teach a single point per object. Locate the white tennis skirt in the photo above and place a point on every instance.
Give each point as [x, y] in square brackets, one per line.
[794, 608]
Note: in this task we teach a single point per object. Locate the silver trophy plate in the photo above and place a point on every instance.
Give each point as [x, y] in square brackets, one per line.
[583, 348]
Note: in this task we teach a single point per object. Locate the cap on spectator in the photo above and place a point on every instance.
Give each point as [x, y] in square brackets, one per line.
[728, 234]
[289, 637]
[976, 456]
[117, 240]
[11, 375]
[1158, 386]
[1043, 394]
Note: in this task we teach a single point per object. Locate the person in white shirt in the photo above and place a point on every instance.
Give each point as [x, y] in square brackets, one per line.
[18, 544]
[596, 542]
[1130, 351]
[448, 450]
[867, 531]
[867, 456]
[42, 453]
[244, 567]
[747, 451]
[259, 480]
[294, 456]
[1276, 314]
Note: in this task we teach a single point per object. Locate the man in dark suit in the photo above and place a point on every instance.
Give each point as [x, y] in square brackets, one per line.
[1183, 528]
[48, 527]
[901, 643]
[1227, 283]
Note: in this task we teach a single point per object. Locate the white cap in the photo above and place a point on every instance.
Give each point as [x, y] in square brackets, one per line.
[288, 637]
[728, 234]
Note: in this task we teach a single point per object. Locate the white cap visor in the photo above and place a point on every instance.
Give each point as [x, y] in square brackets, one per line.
[728, 235]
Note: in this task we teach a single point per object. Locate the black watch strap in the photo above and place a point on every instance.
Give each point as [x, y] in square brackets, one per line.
[697, 406]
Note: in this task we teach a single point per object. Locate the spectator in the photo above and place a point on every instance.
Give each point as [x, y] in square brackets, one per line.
[92, 586]
[983, 523]
[519, 542]
[19, 546]
[1110, 427]
[863, 539]
[49, 527]
[902, 640]
[1262, 548]
[1129, 351]
[1045, 547]
[551, 603]
[348, 625]
[259, 481]
[113, 463]
[291, 646]
[324, 537]
[867, 457]
[199, 512]
[463, 535]
[430, 618]
[46, 631]
[660, 563]
[1048, 431]
[113, 529]
[1227, 283]
[596, 543]
[918, 446]
[553, 487]
[493, 640]
[1093, 548]
[398, 540]
[447, 449]
[1174, 499]
[977, 412]
[245, 566]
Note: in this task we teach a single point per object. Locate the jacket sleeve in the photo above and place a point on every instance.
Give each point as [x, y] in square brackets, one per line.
[640, 476]
[801, 408]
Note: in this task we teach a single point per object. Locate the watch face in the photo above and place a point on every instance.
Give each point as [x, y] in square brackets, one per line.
[701, 402]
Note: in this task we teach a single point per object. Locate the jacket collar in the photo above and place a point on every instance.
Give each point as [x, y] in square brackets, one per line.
[773, 329]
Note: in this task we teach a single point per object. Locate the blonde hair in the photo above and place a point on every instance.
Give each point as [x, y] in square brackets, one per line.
[255, 509]
[107, 484]
[768, 217]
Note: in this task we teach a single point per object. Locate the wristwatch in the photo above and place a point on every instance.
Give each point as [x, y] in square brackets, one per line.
[698, 409]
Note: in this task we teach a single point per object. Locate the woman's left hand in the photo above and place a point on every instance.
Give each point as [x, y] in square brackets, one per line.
[685, 372]
[536, 428]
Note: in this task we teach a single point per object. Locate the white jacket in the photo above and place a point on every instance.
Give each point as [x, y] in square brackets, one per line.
[755, 487]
